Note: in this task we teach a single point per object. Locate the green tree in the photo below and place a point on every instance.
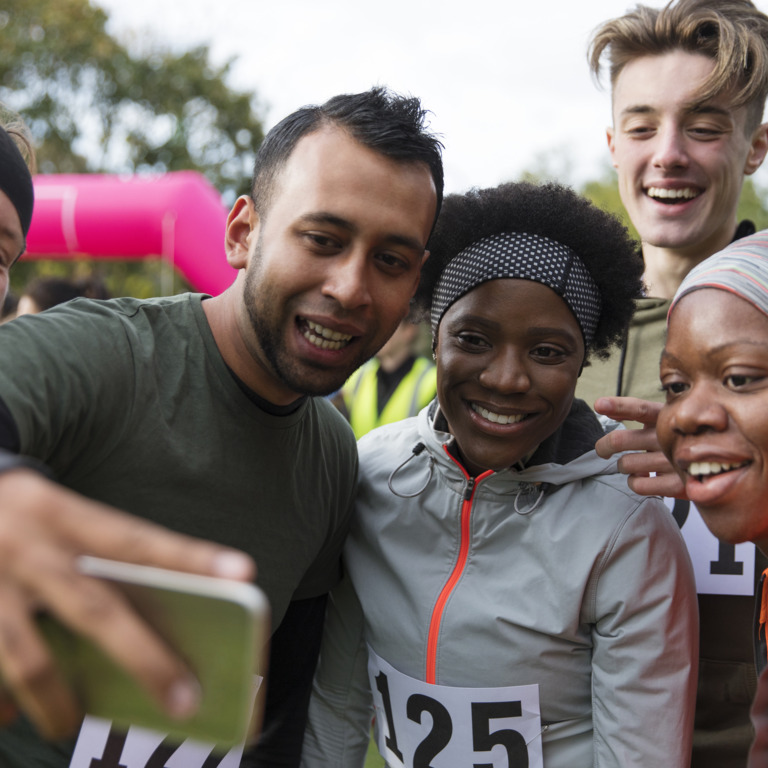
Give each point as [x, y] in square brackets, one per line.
[753, 204]
[557, 165]
[604, 193]
[96, 104]
[93, 105]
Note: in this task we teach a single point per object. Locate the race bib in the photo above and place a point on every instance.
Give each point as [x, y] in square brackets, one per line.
[720, 568]
[421, 726]
[101, 745]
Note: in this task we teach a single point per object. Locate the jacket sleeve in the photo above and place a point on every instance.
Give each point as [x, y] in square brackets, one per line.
[341, 706]
[645, 644]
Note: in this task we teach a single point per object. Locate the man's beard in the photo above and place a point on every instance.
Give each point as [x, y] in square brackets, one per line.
[294, 375]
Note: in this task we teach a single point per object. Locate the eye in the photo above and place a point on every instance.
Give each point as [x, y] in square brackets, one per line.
[705, 133]
[673, 389]
[548, 354]
[472, 341]
[738, 381]
[393, 261]
[320, 242]
[7, 258]
[641, 131]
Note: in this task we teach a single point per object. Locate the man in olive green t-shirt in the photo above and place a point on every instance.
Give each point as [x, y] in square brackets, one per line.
[328, 249]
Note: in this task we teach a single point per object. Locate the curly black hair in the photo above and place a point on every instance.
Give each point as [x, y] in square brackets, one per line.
[558, 213]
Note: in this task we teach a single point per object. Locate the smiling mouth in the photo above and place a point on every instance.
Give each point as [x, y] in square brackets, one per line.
[498, 418]
[703, 470]
[672, 196]
[322, 337]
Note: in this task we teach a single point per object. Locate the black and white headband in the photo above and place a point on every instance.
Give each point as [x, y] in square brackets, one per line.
[526, 257]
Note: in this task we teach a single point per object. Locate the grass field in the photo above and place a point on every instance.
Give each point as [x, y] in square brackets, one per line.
[373, 759]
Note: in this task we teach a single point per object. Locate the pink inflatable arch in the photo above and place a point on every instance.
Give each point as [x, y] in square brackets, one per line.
[178, 217]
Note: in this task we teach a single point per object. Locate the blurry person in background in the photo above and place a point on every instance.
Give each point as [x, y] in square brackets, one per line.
[16, 196]
[45, 292]
[10, 304]
[395, 384]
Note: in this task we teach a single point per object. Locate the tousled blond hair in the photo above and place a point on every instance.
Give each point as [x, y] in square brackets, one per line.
[733, 33]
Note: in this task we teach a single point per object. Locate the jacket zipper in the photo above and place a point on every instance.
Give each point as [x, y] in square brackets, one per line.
[458, 569]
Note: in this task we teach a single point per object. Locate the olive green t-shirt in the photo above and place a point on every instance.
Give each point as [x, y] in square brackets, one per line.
[130, 402]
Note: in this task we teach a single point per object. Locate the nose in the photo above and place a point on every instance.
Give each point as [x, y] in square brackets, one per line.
[347, 280]
[699, 411]
[507, 373]
[669, 148]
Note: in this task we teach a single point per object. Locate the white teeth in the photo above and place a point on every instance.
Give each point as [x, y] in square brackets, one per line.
[325, 338]
[672, 194]
[327, 333]
[498, 418]
[707, 468]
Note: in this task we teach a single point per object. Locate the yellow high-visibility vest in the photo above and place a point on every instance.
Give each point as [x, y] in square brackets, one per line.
[415, 390]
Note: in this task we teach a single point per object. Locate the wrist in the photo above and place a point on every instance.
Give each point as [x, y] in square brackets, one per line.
[10, 461]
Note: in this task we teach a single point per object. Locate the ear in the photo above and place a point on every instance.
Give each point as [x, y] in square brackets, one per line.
[242, 228]
[609, 135]
[757, 149]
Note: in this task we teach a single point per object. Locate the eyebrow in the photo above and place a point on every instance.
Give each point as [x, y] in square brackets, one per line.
[694, 109]
[539, 330]
[762, 345]
[395, 238]
[637, 109]
[709, 109]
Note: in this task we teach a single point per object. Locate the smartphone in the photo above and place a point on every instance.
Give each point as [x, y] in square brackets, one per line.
[219, 627]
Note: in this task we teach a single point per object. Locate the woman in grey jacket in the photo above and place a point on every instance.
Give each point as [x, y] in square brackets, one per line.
[508, 601]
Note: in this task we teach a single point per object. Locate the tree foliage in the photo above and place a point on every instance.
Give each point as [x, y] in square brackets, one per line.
[604, 193]
[94, 105]
[97, 104]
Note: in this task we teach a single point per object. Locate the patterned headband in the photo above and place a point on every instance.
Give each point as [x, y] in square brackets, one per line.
[526, 257]
[741, 268]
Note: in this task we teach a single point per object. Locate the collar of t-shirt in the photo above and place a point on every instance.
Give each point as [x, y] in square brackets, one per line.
[265, 405]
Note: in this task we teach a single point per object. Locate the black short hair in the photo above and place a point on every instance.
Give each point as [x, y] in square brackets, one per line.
[554, 211]
[393, 125]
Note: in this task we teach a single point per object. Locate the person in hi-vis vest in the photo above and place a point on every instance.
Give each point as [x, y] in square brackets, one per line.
[395, 384]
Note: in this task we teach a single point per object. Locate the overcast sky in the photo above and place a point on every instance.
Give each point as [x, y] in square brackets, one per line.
[507, 82]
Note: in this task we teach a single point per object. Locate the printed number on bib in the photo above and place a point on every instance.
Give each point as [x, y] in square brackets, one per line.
[102, 745]
[720, 568]
[436, 726]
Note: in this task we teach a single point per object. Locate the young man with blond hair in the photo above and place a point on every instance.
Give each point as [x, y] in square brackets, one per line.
[689, 83]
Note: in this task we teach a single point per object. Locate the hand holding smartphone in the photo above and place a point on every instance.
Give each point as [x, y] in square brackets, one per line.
[219, 627]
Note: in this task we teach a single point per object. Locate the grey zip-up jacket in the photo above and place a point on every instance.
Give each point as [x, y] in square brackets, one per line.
[554, 575]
